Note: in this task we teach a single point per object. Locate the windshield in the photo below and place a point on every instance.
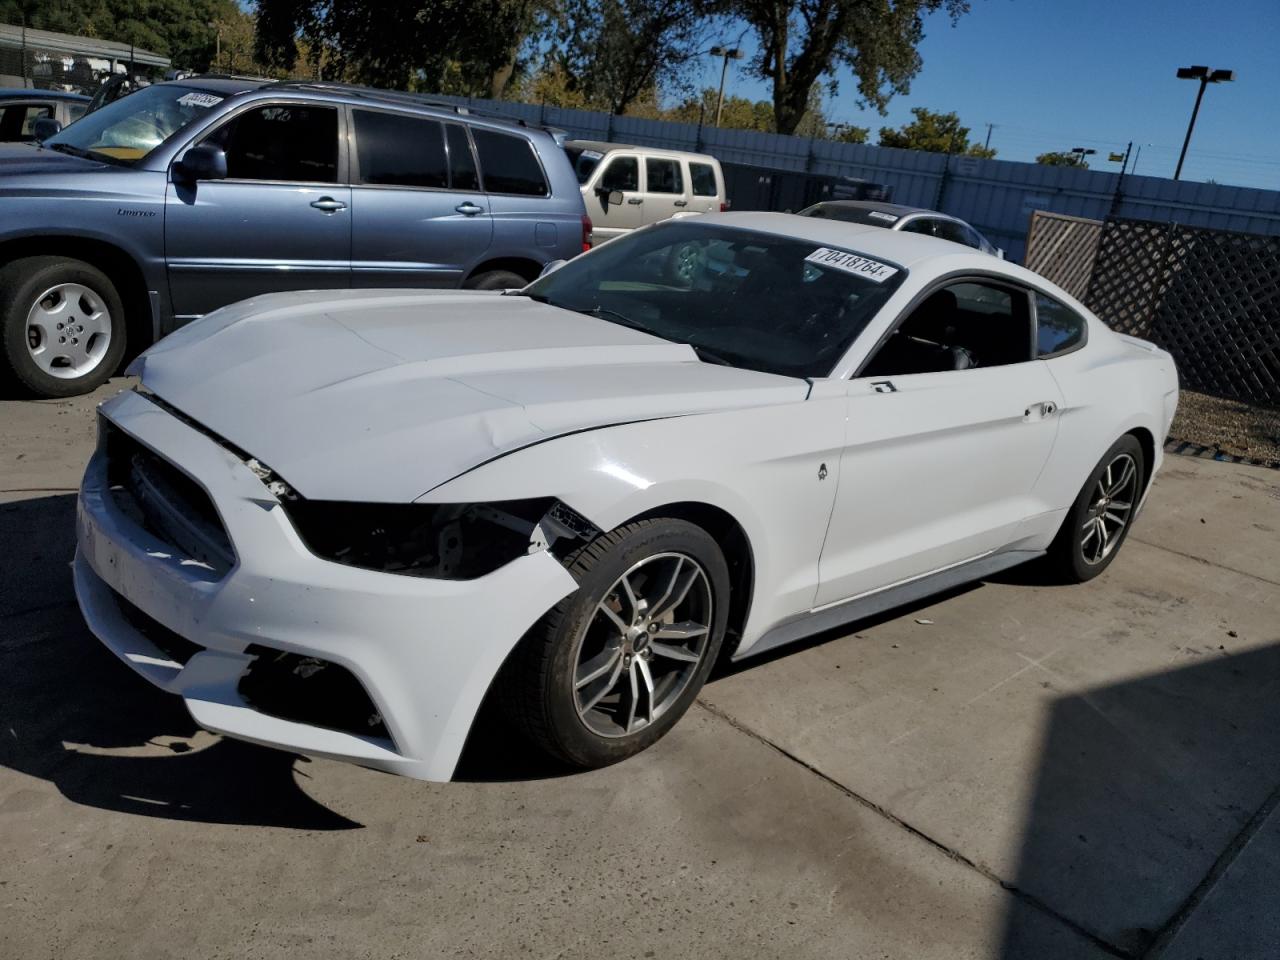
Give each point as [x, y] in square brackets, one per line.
[738, 297]
[584, 162]
[852, 214]
[128, 129]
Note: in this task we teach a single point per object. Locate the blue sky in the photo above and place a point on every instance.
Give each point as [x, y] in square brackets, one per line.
[1053, 75]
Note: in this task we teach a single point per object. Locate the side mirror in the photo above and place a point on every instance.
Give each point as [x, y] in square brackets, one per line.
[203, 162]
[614, 198]
[44, 128]
[551, 267]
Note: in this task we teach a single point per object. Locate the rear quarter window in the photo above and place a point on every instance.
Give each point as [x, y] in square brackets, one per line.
[703, 178]
[1059, 329]
[508, 164]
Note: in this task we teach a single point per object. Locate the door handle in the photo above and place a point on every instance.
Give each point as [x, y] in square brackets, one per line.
[328, 205]
[469, 209]
[1045, 408]
[681, 203]
[634, 200]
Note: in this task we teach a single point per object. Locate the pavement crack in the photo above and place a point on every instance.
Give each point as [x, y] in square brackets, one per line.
[950, 852]
[1173, 926]
[1207, 563]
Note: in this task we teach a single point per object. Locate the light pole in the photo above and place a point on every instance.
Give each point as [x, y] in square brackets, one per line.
[728, 53]
[1206, 77]
[1080, 153]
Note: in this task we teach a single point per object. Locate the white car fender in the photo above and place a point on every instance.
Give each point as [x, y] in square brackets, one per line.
[773, 469]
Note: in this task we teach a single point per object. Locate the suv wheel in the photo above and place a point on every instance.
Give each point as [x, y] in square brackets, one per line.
[495, 280]
[62, 326]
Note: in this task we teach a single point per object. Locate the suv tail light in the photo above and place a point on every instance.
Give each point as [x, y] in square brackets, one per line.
[586, 233]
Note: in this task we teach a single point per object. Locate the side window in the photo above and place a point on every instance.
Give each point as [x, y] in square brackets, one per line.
[75, 111]
[958, 327]
[1058, 327]
[463, 174]
[289, 142]
[622, 173]
[400, 151]
[663, 176]
[509, 165]
[702, 176]
[955, 232]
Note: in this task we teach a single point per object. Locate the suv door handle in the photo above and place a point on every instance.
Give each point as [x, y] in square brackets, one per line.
[328, 205]
[635, 199]
[469, 209]
[681, 203]
[1046, 408]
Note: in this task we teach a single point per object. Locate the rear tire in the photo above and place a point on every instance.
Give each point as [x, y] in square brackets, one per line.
[1099, 521]
[592, 686]
[62, 326]
[495, 280]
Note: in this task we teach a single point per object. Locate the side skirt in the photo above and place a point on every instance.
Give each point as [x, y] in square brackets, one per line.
[898, 595]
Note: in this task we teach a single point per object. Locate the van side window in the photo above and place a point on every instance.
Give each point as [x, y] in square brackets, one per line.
[508, 164]
[663, 176]
[623, 173]
[401, 151]
[1058, 327]
[286, 142]
[958, 327]
[463, 174]
[703, 178]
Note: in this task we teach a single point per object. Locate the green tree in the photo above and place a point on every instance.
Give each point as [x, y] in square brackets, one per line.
[1061, 158]
[934, 132]
[802, 42]
[848, 133]
[737, 113]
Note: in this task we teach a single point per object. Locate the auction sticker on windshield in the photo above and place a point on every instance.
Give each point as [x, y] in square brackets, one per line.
[872, 270]
[200, 99]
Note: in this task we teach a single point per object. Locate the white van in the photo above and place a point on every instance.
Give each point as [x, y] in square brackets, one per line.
[625, 186]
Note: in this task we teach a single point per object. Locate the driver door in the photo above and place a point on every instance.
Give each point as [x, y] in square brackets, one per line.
[622, 173]
[940, 464]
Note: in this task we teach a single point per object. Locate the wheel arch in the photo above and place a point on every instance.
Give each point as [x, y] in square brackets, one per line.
[734, 543]
[1148, 444]
[521, 266]
[117, 263]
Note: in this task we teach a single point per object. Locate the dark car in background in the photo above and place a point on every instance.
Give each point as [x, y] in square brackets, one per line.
[20, 109]
[895, 216]
[206, 191]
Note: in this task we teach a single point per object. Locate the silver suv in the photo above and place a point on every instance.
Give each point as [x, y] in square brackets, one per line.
[187, 196]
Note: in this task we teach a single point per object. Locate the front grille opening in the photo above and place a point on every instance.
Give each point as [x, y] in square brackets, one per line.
[165, 502]
[174, 646]
[311, 691]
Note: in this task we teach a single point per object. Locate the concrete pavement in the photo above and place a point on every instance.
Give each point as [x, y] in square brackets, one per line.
[1038, 772]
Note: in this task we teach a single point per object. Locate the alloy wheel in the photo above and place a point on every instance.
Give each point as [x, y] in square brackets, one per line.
[1110, 509]
[68, 330]
[642, 645]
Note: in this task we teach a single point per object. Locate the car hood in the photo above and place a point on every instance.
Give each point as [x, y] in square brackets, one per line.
[18, 159]
[382, 395]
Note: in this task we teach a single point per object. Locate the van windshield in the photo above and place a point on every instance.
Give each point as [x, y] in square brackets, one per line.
[125, 131]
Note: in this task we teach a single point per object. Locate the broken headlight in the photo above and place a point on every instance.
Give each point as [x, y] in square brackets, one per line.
[440, 541]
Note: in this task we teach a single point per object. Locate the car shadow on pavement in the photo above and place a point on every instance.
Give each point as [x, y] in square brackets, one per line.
[72, 714]
[1140, 787]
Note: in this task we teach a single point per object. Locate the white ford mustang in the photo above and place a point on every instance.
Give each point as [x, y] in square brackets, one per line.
[336, 522]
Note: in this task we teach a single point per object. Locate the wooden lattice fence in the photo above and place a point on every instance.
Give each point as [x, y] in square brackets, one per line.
[1063, 249]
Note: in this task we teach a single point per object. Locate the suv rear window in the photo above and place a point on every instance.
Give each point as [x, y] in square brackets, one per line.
[283, 141]
[509, 165]
[663, 176]
[395, 150]
[703, 178]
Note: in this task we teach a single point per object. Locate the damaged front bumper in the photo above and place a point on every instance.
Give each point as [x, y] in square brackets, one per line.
[424, 651]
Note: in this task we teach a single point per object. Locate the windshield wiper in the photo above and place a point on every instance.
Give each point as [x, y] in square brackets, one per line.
[604, 313]
[68, 148]
[710, 356]
[84, 154]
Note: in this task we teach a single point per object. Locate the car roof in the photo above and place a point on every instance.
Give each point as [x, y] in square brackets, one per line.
[897, 209]
[30, 94]
[602, 146]
[906, 249]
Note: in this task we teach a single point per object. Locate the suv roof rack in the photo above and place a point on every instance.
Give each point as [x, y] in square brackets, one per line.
[376, 95]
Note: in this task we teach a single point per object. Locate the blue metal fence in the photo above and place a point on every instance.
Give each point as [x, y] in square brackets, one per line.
[996, 196]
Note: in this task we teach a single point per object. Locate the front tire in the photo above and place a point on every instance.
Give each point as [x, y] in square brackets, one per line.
[495, 280]
[62, 325]
[1100, 519]
[612, 667]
